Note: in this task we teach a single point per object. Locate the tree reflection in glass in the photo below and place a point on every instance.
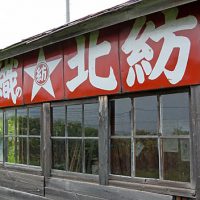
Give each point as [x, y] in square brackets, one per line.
[21, 154]
[75, 155]
[121, 117]
[176, 154]
[91, 157]
[58, 157]
[121, 157]
[91, 119]
[34, 120]
[58, 121]
[22, 121]
[146, 156]
[34, 151]
[74, 120]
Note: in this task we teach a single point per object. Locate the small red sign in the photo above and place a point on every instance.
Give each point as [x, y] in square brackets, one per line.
[43, 79]
[11, 93]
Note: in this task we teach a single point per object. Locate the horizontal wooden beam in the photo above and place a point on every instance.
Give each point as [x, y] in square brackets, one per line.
[100, 191]
[21, 181]
[6, 194]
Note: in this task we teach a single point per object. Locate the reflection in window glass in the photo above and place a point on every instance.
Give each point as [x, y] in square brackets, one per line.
[10, 122]
[91, 120]
[74, 120]
[1, 149]
[21, 151]
[147, 161]
[58, 157]
[34, 151]
[121, 117]
[146, 115]
[10, 149]
[21, 121]
[58, 121]
[121, 157]
[34, 120]
[91, 156]
[175, 114]
[75, 155]
[176, 154]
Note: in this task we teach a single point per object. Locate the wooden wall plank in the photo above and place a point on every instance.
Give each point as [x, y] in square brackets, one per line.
[62, 195]
[101, 191]
[10, 194]
[24, 182]
[46, 141]
[103, 140]
[195, 125]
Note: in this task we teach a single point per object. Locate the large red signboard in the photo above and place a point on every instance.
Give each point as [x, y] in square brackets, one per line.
[91, 64]
[161, 50]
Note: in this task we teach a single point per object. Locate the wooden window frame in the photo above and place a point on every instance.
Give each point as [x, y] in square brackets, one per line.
[116, 179]
[65, 173]
[17, 166]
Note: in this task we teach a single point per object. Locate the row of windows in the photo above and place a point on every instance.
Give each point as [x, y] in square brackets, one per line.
[149, 137]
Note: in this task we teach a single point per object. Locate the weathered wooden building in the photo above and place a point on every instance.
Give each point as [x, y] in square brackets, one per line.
[105, 107]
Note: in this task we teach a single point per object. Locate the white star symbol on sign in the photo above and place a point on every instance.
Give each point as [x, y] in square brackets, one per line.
[40, 73]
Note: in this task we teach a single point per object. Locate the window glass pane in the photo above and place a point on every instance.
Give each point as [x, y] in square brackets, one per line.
[34, 120]
[146, 115]
[1, 149]
[75, 155]
[21, 121]
[1, 123]
[146, 156]
[34, 151]
[21, 151]
[10, 149]
[175, 114]
[10, 122]
[91, 157]
[121, 117]
[58, 154]
[176, 159]
[58, 121]
[91, 119]
[74, 120]
[121, 157]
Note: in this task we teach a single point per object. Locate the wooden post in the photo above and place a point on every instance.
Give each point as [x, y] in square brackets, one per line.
[46, 141]
[195, 140]
[103, 140]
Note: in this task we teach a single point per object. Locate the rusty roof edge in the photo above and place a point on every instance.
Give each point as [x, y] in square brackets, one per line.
[123, 12]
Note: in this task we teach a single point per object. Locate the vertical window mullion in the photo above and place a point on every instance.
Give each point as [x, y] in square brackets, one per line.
[4, 151]
[15, 135]
[66, 142]
[83, 140]
[159, 139]
[27, 137]
[133, 130]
